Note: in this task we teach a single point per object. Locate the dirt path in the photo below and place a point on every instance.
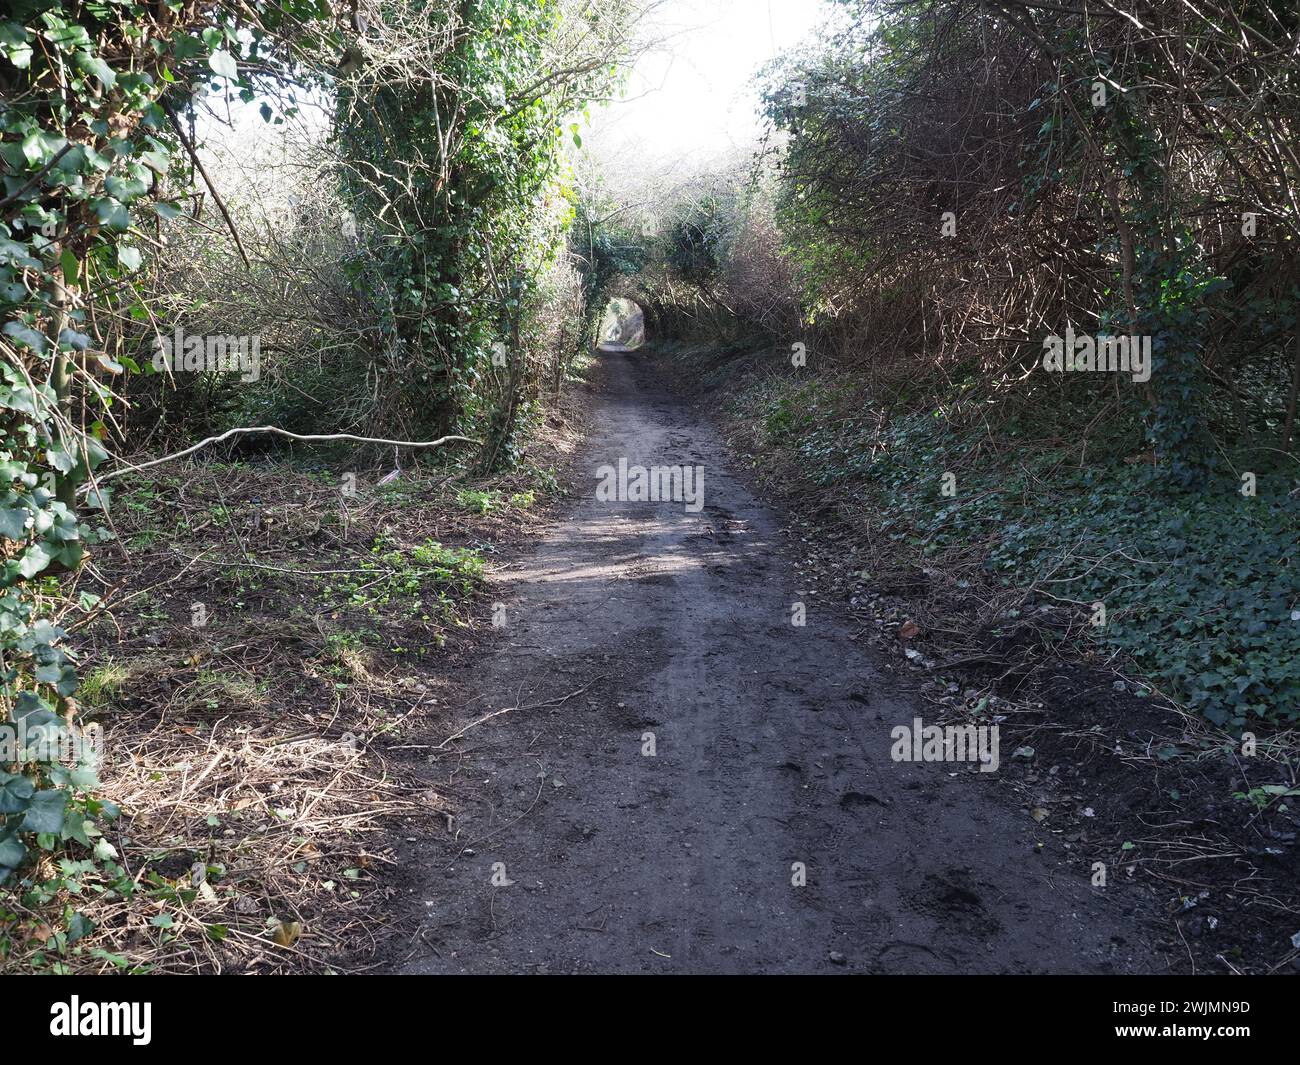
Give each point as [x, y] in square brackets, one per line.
[772, 747]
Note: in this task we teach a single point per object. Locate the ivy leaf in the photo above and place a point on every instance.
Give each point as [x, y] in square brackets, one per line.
[33, 148]
[186, 47]
[61, 675]
[33, 711]
[71, 339]
[46, 812]
[16, 793]
[98, 69]
[112, 214]
[66, 36]
[70, 555]
[61, 459]
[129, 257]
[11, 854]
[126, 187]
[99, 498]
[93, 454]
[79, 927]
[33, 560]
[26, 336]
[14, 46]
[223, 63]
[13, 523]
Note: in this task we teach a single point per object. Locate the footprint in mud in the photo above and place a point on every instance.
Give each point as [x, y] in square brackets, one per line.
[952, 899]
[851, 799]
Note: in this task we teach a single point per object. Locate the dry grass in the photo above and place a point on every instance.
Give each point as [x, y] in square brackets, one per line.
[249, 744]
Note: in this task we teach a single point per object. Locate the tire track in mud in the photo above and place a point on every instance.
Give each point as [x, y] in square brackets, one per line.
[772, 748]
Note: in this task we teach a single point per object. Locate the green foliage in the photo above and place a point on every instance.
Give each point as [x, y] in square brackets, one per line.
[946, 166]
[695, 243]
[1046, 142]
[456, 171]
[391, 574]
[485, 502]
[1200, 586]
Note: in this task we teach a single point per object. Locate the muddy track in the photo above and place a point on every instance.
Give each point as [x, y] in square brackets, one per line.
[771, 747]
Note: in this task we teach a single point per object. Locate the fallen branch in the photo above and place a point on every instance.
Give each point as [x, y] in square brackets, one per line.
[282, 432]
[495, 713]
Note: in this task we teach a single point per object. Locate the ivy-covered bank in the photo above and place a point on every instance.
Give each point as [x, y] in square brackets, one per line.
[1197, 589]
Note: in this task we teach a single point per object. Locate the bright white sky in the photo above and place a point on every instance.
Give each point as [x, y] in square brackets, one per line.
[688, 103]
[694, 93]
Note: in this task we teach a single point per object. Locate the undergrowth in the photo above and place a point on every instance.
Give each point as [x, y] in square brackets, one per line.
[270, 636]
[1198, 589]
